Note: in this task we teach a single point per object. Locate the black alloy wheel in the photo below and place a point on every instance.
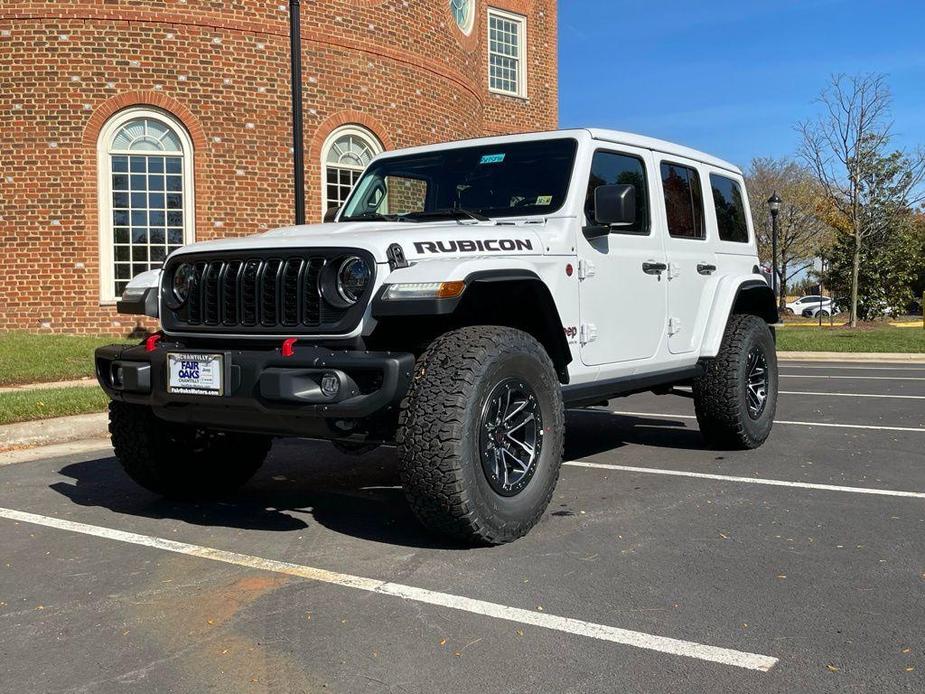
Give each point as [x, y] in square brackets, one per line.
[511, 436]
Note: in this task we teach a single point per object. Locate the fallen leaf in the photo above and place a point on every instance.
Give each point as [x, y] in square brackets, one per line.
[910, 668]
[539, 607]
[782, 576]
[458, 654]
[906, 650]
[832, 667]
[520, 632]
[443, 642]
[725, 537]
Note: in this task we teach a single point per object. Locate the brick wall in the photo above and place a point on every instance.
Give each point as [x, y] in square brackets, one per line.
[400, 68]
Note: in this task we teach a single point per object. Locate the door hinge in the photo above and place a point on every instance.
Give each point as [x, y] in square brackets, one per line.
[587, 333]
[586, 269]
[674, 326]
[673, 270]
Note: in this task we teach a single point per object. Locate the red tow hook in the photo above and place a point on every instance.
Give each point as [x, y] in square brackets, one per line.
[288, 345]
[151, 341]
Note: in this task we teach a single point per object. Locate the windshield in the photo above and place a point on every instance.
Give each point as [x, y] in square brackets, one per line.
[509, 179]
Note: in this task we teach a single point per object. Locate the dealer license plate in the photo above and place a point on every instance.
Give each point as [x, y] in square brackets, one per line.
[195, 374]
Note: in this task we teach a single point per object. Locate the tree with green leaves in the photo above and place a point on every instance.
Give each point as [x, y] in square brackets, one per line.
[888, 270]
[868, 189]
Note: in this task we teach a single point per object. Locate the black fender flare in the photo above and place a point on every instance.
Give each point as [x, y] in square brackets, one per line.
[546, 324]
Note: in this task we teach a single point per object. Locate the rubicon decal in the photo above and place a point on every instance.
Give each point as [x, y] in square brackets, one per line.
[470, 246]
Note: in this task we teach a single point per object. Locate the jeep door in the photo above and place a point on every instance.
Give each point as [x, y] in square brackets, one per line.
[691, 255]
[623, 294]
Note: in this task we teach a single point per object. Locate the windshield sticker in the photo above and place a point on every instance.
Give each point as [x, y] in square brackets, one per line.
[543, 199]
[492, 159]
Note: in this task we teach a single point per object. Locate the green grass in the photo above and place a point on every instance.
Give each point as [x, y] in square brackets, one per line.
[27, 405]
[837, 339]
[31, 358]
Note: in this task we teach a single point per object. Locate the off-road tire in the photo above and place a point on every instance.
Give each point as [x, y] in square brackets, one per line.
[181, 461]
[720, 398]
[439, 433]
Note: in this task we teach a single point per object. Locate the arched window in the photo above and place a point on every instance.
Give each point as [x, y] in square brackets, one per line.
[345, 154]
[146, 195]
[464, 14]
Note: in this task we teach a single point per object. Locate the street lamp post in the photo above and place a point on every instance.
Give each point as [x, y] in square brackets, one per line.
[774, 206]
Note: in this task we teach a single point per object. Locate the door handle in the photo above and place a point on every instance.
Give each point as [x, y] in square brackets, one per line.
[654, 268]
[706, 268]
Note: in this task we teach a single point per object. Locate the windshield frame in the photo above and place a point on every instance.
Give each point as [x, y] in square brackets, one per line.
[464, 145]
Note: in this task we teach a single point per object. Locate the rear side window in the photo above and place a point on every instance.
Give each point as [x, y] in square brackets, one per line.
[610, 168]
[683, 201]
[730, 209]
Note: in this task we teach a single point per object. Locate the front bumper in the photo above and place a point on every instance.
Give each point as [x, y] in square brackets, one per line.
[264, 391]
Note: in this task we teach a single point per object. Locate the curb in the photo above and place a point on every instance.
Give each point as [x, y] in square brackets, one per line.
[882, 357]
[94, 447]
[48, 385]
[43, 432]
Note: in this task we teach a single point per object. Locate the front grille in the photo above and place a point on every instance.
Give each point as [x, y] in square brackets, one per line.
[266, 294]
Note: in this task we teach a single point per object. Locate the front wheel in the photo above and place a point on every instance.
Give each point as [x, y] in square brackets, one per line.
[736, 397]
[181, 461]
[480, 434]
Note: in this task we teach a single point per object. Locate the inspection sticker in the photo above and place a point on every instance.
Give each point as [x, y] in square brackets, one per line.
[492, 158]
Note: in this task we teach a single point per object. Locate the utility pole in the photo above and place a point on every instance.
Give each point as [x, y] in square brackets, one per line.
[298, 146]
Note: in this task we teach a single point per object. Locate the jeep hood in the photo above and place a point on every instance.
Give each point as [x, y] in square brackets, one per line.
[418, 241]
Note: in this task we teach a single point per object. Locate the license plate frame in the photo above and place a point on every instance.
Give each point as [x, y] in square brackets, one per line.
[179, 383]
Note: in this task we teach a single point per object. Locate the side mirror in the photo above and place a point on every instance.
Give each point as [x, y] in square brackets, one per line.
[615, 205]
[331, 214]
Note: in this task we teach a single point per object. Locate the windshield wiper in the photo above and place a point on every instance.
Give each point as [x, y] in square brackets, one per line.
[454, 212]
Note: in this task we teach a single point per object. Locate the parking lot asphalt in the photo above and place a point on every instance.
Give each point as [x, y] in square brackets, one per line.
[661, 565]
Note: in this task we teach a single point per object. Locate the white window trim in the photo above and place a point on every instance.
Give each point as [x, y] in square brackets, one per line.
[357, 131]
[104, 189]
[521, 92]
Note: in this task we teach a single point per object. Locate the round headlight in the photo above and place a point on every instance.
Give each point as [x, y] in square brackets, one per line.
[352, 278]
[183, 278]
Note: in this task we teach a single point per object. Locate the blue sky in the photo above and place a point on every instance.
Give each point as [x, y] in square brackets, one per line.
[733, 78]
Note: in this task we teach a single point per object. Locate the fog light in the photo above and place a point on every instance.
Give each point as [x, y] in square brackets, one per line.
[330, 384]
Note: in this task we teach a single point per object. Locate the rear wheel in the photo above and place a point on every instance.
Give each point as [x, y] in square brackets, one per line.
[736, 398]
[480, 435]
[182, 461]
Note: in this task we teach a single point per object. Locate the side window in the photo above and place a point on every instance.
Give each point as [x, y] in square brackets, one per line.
[609, 168]
[730, 209]
[683, 201]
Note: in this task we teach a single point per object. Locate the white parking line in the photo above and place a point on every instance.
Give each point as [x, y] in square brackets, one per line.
[602, 632]
[857, 378]
[853, 395]
[776, 421]
[747, 480]
[688, 389]
[855, 368]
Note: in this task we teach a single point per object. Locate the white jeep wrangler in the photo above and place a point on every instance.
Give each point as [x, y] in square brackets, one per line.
[465, 295]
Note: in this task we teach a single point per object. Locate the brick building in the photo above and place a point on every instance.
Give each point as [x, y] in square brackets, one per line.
[129, 127]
